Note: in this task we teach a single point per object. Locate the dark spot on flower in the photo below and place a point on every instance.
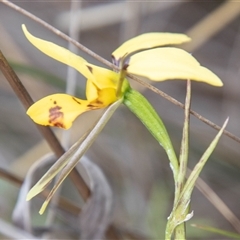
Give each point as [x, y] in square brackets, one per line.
[90, 69]
[99, 102]
[58, 124]
[95, 104]
[76, 100]
[92, 106]
[56, 117]
[55, 102]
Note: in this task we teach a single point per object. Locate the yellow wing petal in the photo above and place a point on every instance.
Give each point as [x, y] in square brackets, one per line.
[170, 63]
[148, 40]
[58, 110]
[59, 53]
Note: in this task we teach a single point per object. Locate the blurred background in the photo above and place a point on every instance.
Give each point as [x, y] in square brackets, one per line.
[135, 166]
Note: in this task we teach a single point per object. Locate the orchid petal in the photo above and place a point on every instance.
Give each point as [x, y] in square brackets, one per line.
[168, 63]
[102, 77]
[91, 91]
[59, 53]
[58, 110]
[146, 41]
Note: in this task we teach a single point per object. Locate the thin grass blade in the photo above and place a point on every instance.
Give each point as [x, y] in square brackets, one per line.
[187, 191]
[54, 170]
[218, 231]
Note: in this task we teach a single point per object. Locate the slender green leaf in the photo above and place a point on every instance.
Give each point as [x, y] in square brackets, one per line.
[187, 191]
[180, 232]
[54, 170]
[218, 231]
[140, 106]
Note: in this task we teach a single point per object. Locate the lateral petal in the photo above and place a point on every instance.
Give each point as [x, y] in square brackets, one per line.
[146, 41]
[168, 63]
[58, 110]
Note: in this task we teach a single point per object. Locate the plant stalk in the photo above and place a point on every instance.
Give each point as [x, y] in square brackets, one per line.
[180, 231]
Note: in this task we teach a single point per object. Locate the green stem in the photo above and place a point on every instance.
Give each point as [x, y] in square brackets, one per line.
[180, 231]
[183, 158]
[140, 106]
[122, 75]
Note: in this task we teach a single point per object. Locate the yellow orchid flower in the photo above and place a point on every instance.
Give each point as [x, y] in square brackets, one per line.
[60, 110]
[106, 87]
[157, 64]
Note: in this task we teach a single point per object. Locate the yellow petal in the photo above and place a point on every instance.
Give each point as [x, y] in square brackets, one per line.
[148, 40]
[170, 63]
[102, 77]
[91, 91]
[99, 98]
[58, 110]
[59, 53]
[106, 97]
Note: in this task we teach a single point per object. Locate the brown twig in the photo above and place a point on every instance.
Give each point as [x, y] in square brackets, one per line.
[107, 63]
[63, 203]
[46, 132]
[10, 177]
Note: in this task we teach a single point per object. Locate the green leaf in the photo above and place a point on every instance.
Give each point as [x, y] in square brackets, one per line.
[54, 170]
[218, 231]
[180, 213]
[140, 106]
[187, 191]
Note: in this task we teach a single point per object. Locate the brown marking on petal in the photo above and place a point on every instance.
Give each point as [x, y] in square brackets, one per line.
[56, 117]
[55, 102]
[98, 89]
[90, 69]
[76, 100]
[60, 125]
[98, 102]
[92, 106]
[95, 104]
